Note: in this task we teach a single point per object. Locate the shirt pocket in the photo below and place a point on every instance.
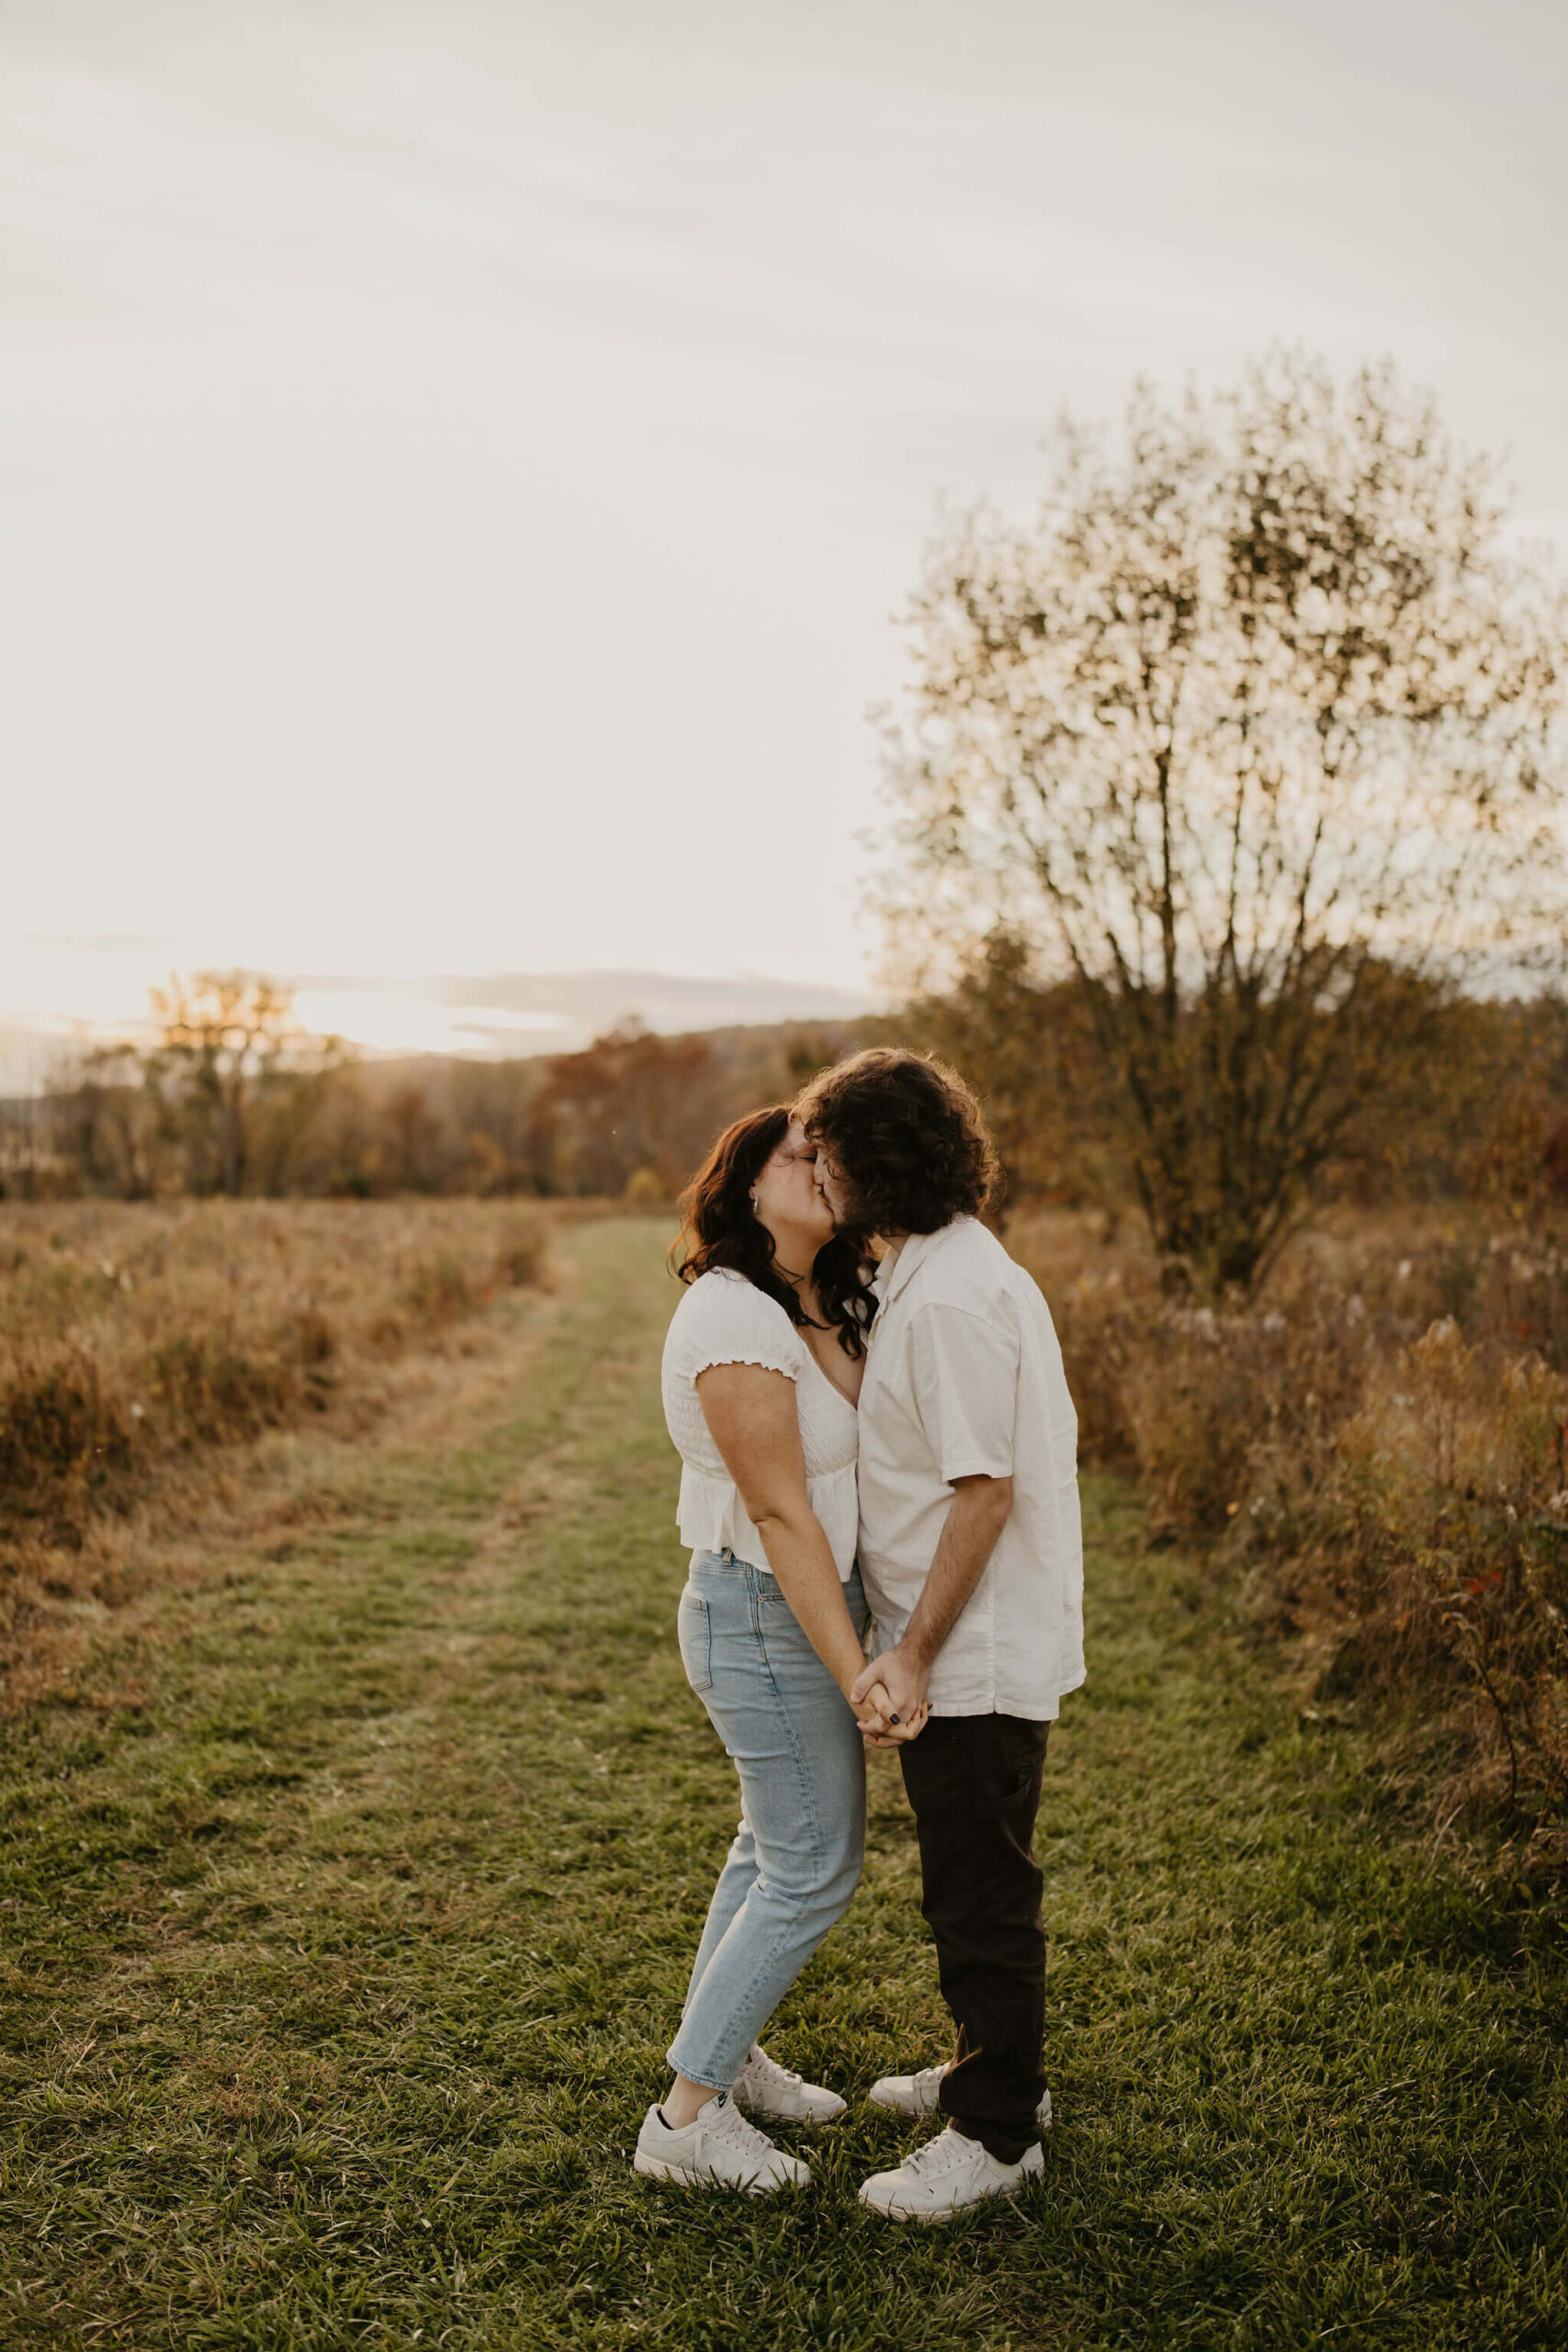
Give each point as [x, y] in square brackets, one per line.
[695, 1634]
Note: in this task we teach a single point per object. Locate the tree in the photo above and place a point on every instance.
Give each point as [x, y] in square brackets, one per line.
[106, 1122]
[238, 1078]
[1030, 1049]
[630, 1101]
[1252, 735]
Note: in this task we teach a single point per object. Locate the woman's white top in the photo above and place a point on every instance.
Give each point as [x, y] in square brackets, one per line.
[723, 1318]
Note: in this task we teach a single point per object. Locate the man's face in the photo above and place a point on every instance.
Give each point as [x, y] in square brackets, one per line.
[832, 1185]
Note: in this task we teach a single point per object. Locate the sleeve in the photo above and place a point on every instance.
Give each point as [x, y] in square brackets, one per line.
[965, 1379]
[733, 1322]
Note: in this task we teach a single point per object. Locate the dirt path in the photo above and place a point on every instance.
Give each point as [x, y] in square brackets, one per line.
[337, 1972]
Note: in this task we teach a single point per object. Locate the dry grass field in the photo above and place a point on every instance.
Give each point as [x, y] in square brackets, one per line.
[142, 1345]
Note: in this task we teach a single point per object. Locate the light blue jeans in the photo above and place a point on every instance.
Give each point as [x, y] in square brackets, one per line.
[796, 1857]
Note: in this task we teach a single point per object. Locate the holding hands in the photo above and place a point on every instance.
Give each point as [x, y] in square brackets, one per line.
[889, 1697]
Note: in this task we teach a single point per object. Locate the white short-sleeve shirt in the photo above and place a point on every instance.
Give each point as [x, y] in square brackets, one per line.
[723, 1318]
[964, 1376]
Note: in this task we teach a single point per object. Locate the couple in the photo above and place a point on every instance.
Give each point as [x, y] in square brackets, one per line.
[906, 1422]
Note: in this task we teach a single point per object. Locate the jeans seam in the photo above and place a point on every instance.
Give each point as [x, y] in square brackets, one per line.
[818, 1845]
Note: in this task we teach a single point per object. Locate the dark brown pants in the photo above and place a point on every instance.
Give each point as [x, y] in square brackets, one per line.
[973, 1782]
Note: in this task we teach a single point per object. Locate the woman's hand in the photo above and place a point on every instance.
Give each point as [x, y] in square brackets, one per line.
[904, 1685]
[907, 1731]
[880, 1727]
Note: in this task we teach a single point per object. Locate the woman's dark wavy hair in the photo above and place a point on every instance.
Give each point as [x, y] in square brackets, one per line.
[719, 1228]
[906, 1136]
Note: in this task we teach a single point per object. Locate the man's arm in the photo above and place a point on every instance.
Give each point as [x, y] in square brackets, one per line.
[975, 1518]
[963, 1373]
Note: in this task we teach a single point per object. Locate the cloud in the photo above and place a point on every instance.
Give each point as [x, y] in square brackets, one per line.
[495, 1015]
[506, 1013]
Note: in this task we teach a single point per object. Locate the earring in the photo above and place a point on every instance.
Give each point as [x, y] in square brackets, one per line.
[753, 1204]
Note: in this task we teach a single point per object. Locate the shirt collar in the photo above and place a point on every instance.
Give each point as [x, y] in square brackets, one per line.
[892, 1275]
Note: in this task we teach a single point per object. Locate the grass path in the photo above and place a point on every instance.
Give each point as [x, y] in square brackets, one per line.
[337, 1974]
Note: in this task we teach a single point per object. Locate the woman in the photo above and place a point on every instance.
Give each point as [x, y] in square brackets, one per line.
[762, 1367]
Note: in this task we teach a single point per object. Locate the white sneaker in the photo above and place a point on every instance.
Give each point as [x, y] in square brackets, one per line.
[918, 2094]
[769, 2089]
[719, 2150]
[945, 2177]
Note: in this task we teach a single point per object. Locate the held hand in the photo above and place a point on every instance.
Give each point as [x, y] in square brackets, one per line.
[902, 1678]
[908, 1730]
[876, 1722]
[874, 1708]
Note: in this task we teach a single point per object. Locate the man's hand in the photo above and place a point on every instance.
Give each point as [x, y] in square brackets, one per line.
[903, 1677]
[873, 1712]
[902, 1674]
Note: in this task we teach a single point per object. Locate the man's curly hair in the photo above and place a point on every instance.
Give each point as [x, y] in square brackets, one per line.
[906, 1134]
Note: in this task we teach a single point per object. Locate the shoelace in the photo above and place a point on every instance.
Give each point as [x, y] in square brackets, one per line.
[759, 2063]
[732, 2126]
[937, 2155]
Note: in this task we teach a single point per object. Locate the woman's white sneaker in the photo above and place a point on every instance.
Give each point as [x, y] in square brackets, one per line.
[769, 2089]
[718, 2150]
[920, 2094]
[946, 2176]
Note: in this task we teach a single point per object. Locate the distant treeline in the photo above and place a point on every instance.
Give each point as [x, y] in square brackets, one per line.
[232, 1098]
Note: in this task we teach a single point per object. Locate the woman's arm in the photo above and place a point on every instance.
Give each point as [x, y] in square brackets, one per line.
[753, 1419]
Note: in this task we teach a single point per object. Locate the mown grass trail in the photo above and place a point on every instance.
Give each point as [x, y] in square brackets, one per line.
[338, 1974]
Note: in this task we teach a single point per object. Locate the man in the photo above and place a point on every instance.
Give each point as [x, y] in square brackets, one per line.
[971, 1555]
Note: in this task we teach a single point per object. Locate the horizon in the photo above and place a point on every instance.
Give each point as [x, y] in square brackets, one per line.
[496, 1016]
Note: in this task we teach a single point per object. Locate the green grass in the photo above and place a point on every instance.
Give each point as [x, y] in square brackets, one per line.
[339, 1971]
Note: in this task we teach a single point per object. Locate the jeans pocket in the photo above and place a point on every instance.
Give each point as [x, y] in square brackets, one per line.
[1026, 1761]
[696, 1637]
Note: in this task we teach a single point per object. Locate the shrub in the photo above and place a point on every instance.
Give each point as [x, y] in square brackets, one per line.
[521, 1257]
[439, 1290]
[213, 1393]
[57, 1434]
[1372, 1472]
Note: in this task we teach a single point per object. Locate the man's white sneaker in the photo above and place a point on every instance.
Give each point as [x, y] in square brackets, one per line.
[946, 2176]
[719, 2150]
[918, 2094]
[769, 2089]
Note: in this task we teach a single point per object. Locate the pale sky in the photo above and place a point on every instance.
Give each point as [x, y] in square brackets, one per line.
[460, 463]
